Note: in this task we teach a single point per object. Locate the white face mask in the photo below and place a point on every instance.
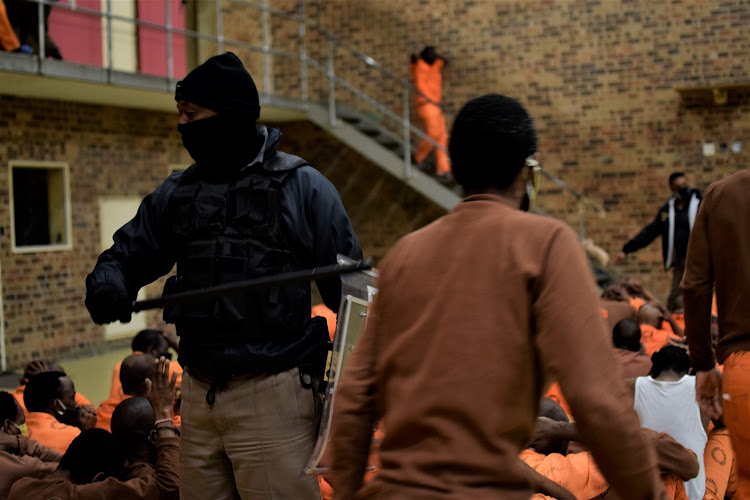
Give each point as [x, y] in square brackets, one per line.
[532, 186]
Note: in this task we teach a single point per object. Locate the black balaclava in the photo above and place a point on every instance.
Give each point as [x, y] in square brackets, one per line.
[228, 140]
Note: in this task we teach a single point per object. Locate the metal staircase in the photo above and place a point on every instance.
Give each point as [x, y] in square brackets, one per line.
[330, 81]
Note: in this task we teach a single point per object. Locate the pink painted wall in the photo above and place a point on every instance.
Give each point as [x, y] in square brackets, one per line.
[152, 43]
[78, 35]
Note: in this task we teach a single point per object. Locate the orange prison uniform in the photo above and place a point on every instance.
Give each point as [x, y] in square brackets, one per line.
[718, 458]
[8, 39]
[675, 488]
[429, 81]
[654, 339]
[576, 472]
[637, 302]
[735, 390]
[47, 431]
[81, 400]
[105, 410]
[330, 316]
[679, 319]
[115, 390]
[555, 394]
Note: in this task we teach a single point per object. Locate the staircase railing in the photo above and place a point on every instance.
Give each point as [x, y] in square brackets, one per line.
[300, 62]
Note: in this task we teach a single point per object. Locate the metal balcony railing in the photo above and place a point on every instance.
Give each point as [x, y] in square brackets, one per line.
[315, 66]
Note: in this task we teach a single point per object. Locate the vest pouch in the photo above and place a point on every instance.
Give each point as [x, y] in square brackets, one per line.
[285, 310]
[230, 309]
[172, 312]
[195, 272]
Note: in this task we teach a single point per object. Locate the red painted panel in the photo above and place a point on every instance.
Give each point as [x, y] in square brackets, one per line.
[152, 42]
[78, 35]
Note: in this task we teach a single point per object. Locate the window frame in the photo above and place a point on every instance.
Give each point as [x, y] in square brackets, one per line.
[47, 165]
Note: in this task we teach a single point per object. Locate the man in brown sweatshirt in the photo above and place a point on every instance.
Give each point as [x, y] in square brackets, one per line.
[457, 352]
[719, 257]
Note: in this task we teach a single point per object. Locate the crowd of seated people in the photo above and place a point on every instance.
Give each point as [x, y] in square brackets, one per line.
[53, 443]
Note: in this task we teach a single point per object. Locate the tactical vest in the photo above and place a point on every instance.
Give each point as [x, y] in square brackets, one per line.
[232, 231]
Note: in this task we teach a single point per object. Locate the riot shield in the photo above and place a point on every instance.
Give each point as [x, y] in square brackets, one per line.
[357, 292]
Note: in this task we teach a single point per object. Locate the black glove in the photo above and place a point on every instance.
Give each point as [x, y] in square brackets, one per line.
[108, 303]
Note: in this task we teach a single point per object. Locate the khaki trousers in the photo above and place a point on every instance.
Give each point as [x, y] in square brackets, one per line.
[251, 443]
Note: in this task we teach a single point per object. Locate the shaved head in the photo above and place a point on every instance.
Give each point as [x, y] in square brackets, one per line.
[627, 335]
[549, 408]
[134, 371]
[132, 422]
[132, 419]
[649, 314]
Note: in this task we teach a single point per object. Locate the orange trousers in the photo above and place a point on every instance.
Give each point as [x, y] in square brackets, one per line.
[718, 458]
[434, 123]
[8, 39]
[736, 400]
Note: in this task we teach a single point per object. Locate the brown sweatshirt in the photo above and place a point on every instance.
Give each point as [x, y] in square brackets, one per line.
[32, 460]
[474, 314]
[719, 255]
[162, 483]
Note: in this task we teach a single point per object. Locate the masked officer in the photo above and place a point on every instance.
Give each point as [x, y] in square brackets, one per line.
[674, 223]
[242, 210]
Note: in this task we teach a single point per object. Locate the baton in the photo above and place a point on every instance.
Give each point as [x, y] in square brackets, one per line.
[253, 284]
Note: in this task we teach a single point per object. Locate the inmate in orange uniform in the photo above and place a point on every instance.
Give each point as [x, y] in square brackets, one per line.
[8, 39]
[80, 399]
[428, 79]
[115, 389]
[654, 339]
[718, 457]
[47, 431]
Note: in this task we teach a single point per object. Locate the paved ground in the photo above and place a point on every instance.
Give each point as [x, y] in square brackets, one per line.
[92, 375]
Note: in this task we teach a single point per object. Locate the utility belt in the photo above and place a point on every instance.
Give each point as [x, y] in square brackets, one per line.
[219, 365]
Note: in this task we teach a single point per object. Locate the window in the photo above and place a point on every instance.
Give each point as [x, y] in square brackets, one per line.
[40, 206]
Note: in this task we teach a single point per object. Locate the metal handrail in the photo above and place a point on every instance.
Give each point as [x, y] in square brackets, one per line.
[327, 69]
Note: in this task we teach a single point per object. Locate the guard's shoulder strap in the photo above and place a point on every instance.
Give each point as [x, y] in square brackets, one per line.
[280, 162]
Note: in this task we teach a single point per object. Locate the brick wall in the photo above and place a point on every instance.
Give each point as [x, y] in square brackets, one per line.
[124, 152]
[599, 77]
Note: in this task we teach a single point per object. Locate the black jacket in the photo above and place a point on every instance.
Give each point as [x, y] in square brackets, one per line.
[316, 225]
[659, 226]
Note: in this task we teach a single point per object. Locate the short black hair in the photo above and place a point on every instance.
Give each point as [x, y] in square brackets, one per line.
[492, 137]
[93, 452]
[146, 339]
[670, 357]
[627, 335]
[675, 175]
[41, 389]
[8, 407]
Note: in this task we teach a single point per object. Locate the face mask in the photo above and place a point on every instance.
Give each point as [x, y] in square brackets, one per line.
[684, 193]
[21, 428]
[221, 141]
[68, 416]
[532, 187]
